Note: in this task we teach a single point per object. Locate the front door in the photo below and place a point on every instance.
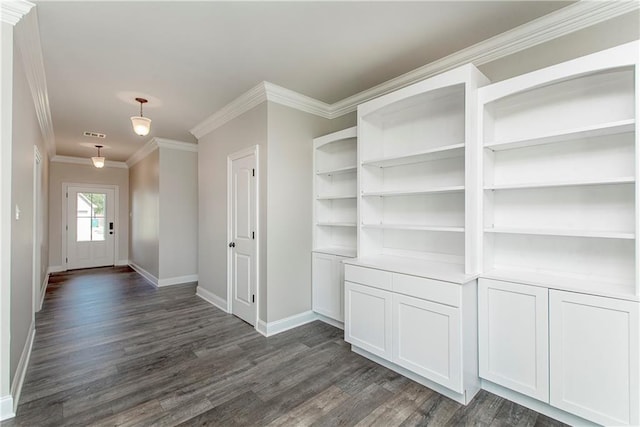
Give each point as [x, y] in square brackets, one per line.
[90, 227]
[242, 246]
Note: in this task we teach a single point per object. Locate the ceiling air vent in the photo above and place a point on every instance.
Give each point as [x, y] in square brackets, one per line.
[95, 135]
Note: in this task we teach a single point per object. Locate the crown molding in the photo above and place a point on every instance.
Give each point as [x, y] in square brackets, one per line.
[567, 20]
[12, 11]
[87, 162]
[27, 36]
[155, 143]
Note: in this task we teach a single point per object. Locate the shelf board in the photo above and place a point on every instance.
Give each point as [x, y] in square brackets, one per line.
[437, 153]
[435, 190]
[563, 233]
[604, 129]
[444, 271]
[337, 250]
[336, 224]
[337, 171]
[414, 227]
[610, 181]
[609, 287]
[335, 197]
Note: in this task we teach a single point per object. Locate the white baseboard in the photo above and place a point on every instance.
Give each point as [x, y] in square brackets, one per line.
[122, 262]
[6, 408]
[144, 273]
[56, 269]
[536, 405]
[43, 289]
[273, 328]
[328, 320]
[21, 370]
[212, 298]
[178, 280]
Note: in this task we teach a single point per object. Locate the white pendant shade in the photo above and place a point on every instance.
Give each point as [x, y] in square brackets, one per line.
[98, 162]
[141, 125]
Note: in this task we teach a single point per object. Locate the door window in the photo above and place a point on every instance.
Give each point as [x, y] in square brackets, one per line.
[90, 217]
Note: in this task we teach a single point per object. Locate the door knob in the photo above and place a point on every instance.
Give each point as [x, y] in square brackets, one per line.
[232, 245]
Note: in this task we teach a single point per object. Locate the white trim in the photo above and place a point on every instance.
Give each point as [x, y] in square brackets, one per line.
[56, 269]
[43, 289]
[212, 298]
[27, 37]
[535, 405]
[567, 20]
[255, 151]
[155, 143]
[12, 11]
[87, 162]
[116, 216]
[21, 370]
[144, 273]
[272, 328]
[36, 258]
[6, 408]
[178, 280]
[335, 323]
[122, 262]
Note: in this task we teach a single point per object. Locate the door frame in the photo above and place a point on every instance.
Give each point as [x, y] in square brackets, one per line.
[230, 158]
[38, 229]
[116, 215]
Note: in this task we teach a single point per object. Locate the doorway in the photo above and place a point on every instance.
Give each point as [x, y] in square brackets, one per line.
[90, 226]
[242, 232]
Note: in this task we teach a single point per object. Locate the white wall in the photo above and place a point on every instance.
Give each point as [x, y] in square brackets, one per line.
[61, 173]
[178, 183]
[244, 131]
[289, 206]
[144, 190]
[6, 90]
[25, 134]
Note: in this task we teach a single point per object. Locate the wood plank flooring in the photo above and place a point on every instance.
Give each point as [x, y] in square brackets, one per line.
[110, 349]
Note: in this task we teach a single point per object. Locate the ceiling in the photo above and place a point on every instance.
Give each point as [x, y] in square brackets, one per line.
[192, 58]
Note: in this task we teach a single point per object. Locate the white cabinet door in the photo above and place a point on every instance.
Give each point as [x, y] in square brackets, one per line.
[513, 334]
[327, 285]
[594, 357]
[427, 341]
[368, 319]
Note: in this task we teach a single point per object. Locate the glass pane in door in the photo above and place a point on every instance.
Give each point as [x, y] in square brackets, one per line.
[90, 217]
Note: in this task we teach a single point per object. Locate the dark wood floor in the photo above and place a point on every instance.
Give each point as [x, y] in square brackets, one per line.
[110, 349]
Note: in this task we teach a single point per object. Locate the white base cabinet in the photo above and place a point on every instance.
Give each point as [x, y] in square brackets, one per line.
[579, 353]
[422, 325]
[594, 357]
[513, 335]
[327, 285]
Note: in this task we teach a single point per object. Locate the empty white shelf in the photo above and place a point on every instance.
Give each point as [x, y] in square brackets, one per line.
[415, 227]
[563, 232]
[335, 197]
[336, 224]
[435, 190]
[444, 152]
[603, 129]
[337, 171]
[337, 250]
[604, 181]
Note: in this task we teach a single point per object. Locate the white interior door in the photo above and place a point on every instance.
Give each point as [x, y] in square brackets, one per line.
[242, 247]
[90, 227]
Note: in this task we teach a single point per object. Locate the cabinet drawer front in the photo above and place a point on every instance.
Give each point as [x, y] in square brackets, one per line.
[368, 276]
[433, 290]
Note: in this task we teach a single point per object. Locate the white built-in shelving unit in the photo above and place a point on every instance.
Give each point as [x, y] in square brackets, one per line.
[414, 149]
[334, 220]
[560, 167]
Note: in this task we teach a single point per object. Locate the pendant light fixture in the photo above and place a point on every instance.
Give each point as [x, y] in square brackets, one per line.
[98, 161]
[141, 125]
